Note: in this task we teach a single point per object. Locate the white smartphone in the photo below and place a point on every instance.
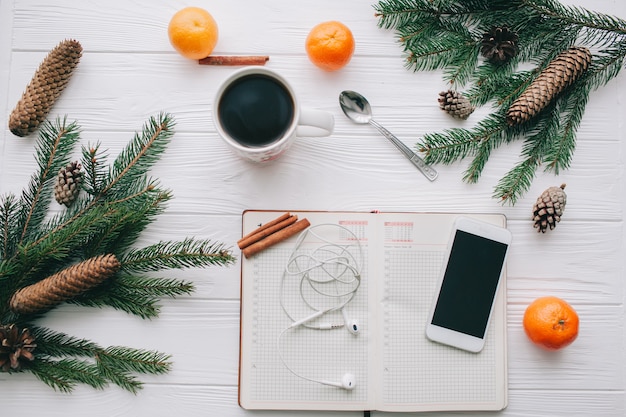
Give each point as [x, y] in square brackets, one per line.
[468, 284]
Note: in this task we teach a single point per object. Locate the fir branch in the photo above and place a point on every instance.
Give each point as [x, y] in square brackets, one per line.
[455, 144]
[490, 79]
[475, 169]
[114, 364]
[54, 145]
[138, 361]
[577, 16]
[65, 374]
[122, 379]
[393, 14]
[155, 287]
[156, 133]
[518, 180]
[606, 65]
[449, 146]
[56, 344]
[176, 255]
[139, 155]
[461, 68]
[134, 295]
[559, 152]
[137, 211]
[95, 169]
[439, 52]
[60, 245]
[119, 298]
[8, 274]
[117, 364]
[8, 217]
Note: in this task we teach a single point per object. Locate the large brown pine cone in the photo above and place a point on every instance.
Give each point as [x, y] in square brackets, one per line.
[64, 285]
[46, 86]
[562, 72]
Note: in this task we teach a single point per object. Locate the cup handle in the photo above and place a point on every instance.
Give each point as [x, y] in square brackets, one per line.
[315, 123]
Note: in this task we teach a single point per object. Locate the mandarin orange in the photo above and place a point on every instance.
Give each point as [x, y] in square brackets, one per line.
[551, 323]
[193, 32]
[330, 45]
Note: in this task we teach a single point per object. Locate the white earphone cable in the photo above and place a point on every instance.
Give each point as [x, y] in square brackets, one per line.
[330, 264]
[319, 262]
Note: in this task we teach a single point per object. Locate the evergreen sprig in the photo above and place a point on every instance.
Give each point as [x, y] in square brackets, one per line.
[174, 255]
[51, 155]
[446, 35]
[117, 203]
[97, 366]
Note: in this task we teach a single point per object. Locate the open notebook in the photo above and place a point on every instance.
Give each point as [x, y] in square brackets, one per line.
[395, 367]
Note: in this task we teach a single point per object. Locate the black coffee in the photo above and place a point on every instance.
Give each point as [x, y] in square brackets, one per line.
[256, 110]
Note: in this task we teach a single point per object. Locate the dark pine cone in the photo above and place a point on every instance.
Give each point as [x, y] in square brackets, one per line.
[499, 44]
[67, 185]
[455, 104]
[16, 346]
[549, 208]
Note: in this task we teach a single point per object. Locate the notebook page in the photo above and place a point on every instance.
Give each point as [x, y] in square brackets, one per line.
[418, 374]
[265, 380]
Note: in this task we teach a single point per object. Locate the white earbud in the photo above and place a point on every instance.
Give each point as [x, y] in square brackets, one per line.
[351, 324]
[347, 382]
[308, 319]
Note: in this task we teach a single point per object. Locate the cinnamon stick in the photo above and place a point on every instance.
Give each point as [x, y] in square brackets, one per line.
[266, 231]
[276, 237]
[234, 60]
[265, 226]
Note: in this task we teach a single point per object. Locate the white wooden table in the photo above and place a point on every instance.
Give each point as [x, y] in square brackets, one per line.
[129, 72]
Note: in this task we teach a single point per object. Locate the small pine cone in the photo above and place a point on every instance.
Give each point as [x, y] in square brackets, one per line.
[45, 87]
[499, 44]
[16, 346]
[67, 185]
[562, 72]
[455, 104]
[64, 285]
[549, 208]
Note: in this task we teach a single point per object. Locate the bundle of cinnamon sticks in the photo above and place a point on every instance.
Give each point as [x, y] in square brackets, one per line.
[271, 233]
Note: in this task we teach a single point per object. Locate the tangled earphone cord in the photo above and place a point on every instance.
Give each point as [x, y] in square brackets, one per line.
[339, 266]
[346, 268]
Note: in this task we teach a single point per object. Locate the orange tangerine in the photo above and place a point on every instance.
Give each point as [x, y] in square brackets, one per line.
[551, 323]
[330, 45]
[193, 32]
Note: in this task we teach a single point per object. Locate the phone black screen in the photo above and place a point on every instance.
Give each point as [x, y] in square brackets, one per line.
[469, 284]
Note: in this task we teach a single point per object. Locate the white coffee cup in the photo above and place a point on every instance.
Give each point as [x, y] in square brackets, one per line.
[257, 114]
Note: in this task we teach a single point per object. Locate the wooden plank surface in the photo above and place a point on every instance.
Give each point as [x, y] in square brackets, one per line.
[129, 72]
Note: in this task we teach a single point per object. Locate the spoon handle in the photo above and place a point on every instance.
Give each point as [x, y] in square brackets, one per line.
[428, 171]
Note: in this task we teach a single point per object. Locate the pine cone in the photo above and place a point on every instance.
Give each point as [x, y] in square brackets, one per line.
[549, 208]
[16, 346]
[455, 104]
[45, 87]
[67, 185]
[499, 44]
[562, 72]
[64, 285]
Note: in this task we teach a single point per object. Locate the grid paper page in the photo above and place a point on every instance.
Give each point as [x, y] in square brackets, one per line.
[312, 353]
[417, 370]
[419, 374]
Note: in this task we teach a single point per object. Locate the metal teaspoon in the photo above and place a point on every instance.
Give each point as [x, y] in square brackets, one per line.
[358, 109]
